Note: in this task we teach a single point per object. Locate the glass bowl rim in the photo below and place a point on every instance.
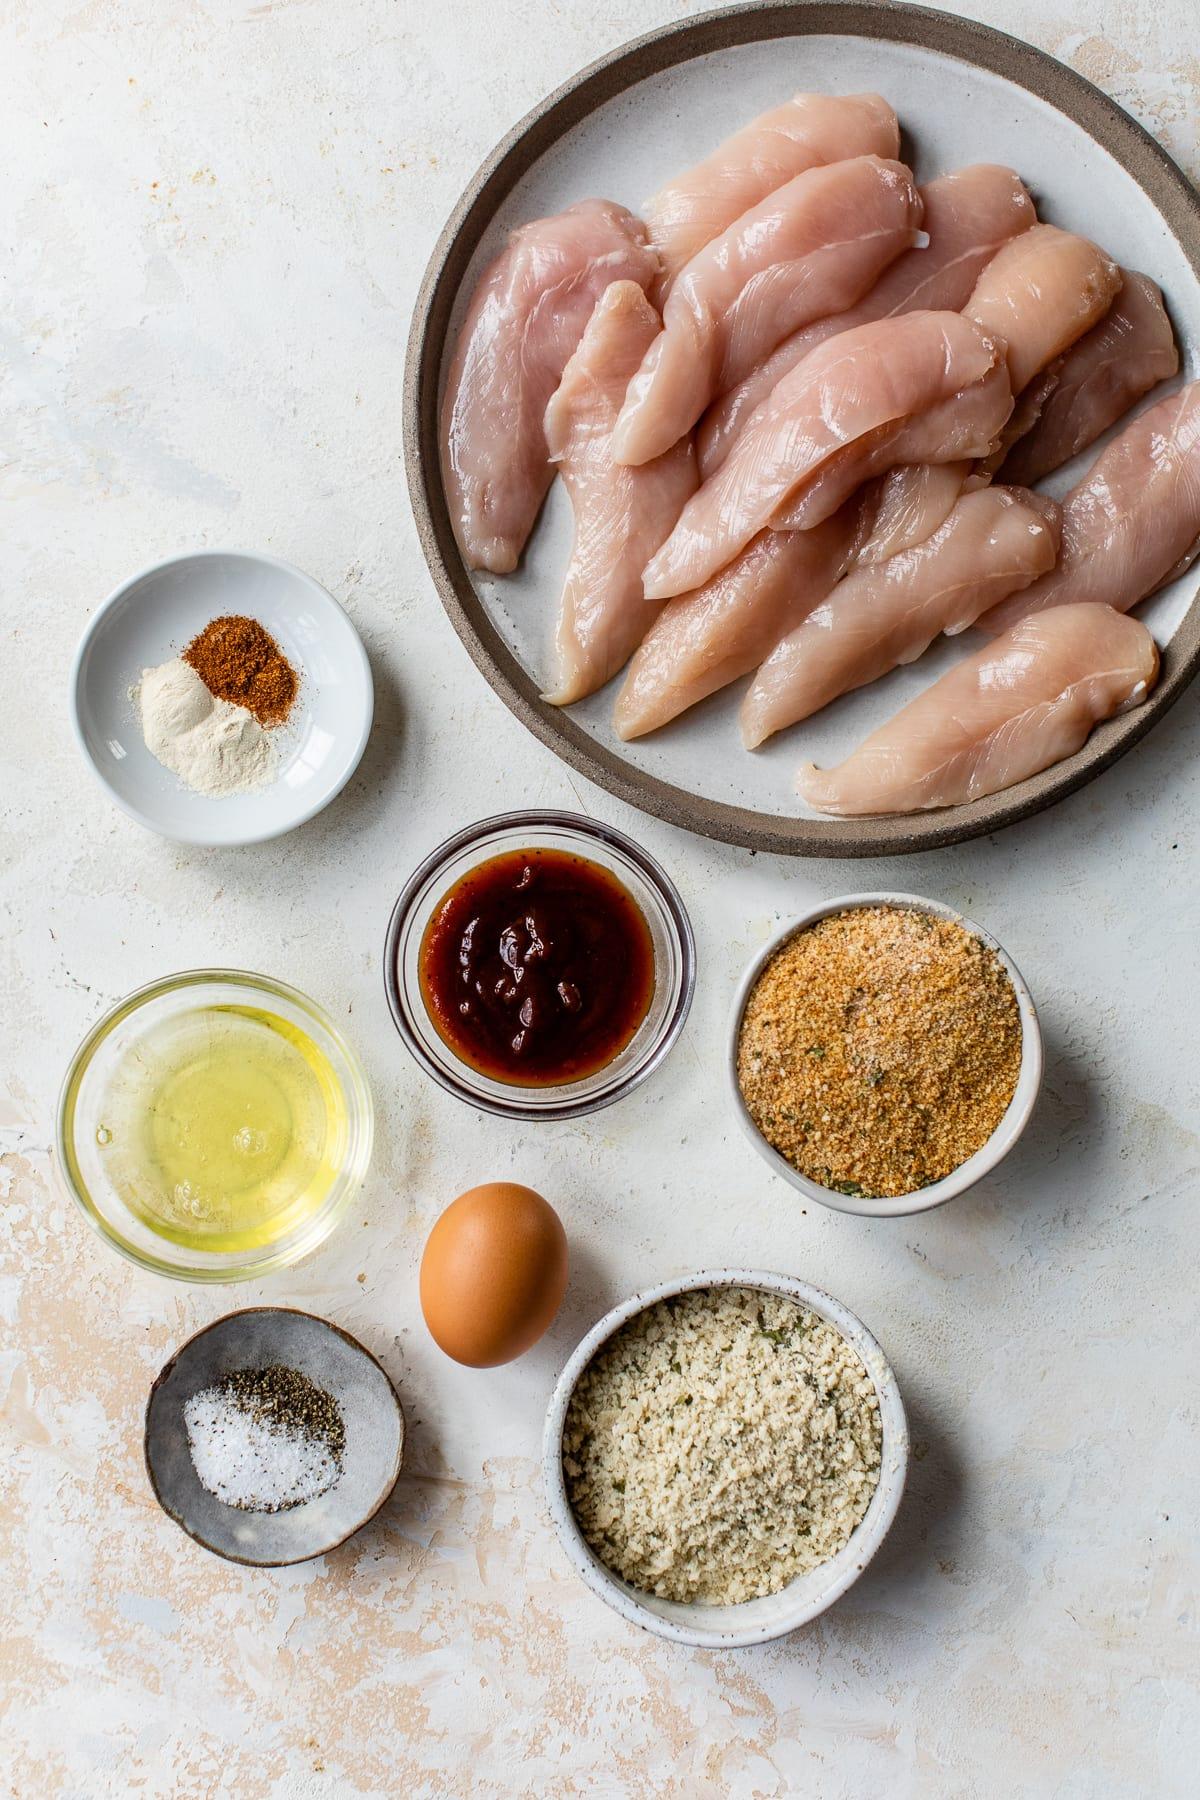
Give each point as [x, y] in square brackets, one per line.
[679, 927]
[344, 1187]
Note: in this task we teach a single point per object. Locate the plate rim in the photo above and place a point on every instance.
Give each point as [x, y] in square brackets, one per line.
[1113, 129]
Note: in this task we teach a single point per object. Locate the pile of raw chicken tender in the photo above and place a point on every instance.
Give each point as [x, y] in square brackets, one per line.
[798, 409]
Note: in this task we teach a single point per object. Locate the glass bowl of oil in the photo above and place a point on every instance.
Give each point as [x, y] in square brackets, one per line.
[214, 1126]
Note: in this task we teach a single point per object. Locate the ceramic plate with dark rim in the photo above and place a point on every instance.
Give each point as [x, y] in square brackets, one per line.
[371, 1413]
[965, 94]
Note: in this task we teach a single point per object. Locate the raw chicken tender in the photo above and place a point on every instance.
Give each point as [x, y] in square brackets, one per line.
[526, 316]
[621, 515]
[904, 507]
[807, 130]
[703, 641]
[865, 381]
[812, 247]
[1099, 378]
[1040, 293]
[884, 615]
[963, 428]
[1133, 522]
[1018, 706]
[968, 215]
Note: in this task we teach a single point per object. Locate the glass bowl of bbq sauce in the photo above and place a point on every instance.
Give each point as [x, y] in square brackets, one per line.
[539, 965]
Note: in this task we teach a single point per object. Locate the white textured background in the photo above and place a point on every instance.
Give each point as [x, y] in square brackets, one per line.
[215, 219]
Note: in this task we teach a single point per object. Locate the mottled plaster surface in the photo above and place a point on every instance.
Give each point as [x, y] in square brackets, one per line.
[216, 214]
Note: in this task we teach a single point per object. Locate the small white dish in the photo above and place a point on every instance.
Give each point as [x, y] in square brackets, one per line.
[985, 1159]
[152, 617]
[774, 1615]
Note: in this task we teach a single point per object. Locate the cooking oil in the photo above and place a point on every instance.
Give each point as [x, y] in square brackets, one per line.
[223, 1128]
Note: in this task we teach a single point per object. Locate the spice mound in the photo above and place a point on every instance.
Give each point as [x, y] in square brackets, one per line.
[722, 1443]
[207, 715]
[214, 748]
[265, 1440]
[879, 1049]
[238, 660]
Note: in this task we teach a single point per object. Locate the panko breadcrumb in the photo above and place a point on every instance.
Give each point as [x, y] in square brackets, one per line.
[721, 1443]
[879, 1049]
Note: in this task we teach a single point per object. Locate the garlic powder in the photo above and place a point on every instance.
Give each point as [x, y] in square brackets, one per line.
[213, 746]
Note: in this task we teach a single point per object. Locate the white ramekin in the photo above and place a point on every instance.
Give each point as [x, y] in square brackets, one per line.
[985, 1159]
[750, 1621]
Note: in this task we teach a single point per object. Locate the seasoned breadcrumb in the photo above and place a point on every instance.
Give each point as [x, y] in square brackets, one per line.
[879, 1049]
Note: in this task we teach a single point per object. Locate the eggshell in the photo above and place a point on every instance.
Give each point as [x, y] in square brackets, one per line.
[493, 1274]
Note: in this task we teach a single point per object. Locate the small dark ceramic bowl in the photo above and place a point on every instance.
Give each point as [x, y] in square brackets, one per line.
[370, 1408]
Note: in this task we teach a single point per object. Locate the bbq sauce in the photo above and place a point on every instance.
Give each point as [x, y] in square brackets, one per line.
[537, 967]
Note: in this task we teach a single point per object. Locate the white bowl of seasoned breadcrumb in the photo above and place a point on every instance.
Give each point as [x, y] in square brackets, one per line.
[723, 1455]
[884, 1053]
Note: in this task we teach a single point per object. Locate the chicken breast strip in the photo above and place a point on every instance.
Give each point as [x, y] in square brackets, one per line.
[806, 131]
[880, 616]
[812, 247]
[904, 507]
[621, 515]
[703, 641]
[1133, 522]
[1038, 292]
[1020, 705]
[1094, 383]
[1041, 293]
[859, 383]
[961, 429]
[525, 318]
[968, 215]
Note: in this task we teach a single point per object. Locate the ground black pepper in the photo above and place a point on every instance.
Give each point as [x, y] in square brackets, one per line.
[285, 1397]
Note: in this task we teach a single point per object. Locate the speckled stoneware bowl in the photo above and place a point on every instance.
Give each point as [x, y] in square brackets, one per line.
[370, 1408]
[750, 1621]
[1020, 1107]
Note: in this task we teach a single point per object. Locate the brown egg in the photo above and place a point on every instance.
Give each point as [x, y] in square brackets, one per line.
[493, 1274]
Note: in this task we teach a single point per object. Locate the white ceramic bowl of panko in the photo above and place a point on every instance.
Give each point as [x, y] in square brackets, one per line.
[1008, 1127]
[786, 1464]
